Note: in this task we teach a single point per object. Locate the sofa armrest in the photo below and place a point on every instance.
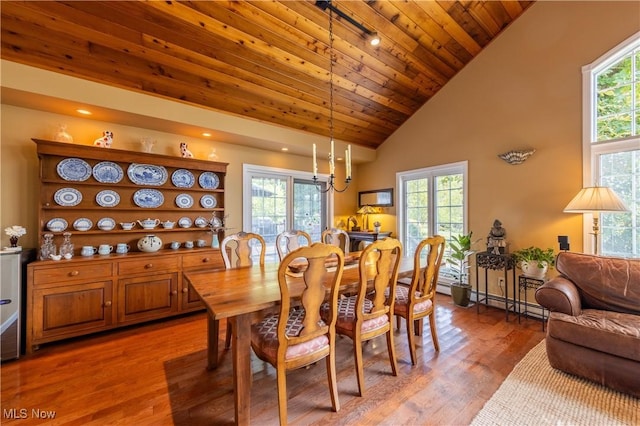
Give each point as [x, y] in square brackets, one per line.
[560, 295]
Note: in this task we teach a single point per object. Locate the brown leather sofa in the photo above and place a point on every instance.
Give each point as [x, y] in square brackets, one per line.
[594, 324]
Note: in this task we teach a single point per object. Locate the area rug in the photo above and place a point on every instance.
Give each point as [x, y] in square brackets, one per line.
[536, 394]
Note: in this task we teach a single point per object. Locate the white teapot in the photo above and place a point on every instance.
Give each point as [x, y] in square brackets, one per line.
[149, 223]
[149, 243]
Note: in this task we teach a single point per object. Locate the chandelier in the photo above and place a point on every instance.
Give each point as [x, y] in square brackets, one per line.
[331, 185]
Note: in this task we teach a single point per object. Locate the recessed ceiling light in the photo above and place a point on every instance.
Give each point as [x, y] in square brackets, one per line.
[284, 148]
[206, 134]
[83, 111]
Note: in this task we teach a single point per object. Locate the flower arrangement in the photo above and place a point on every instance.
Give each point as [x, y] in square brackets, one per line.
[377, 224]
[14, 232]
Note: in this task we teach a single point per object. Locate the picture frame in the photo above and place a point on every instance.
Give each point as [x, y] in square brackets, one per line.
[376, 198]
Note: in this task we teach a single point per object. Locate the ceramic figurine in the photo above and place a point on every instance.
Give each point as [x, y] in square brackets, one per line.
[105, 141]
[184, 152]
[62, 135]
[147, 144]
[213, 156]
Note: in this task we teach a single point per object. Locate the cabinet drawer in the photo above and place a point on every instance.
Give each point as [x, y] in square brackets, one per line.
[75, 272]
[209, 260]
[154, 265]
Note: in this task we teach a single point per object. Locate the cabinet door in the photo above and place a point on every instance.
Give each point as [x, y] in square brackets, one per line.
[206, 260]
[72, 310]
[147, 297]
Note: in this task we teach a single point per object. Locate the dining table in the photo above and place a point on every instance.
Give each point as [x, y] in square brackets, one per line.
[237, 295]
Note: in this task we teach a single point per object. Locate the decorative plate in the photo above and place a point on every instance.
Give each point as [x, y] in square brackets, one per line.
[208, 201]
[147, 174]
[57, 224]
[184, 222]
[201, 222]
[184, 201]
[108, 198]
[68, 197]
[107, 172]
[74, 169]
[148, 198]
[183, 178]
[216, 222]
[106, 224]
[82, 224]
[209, 180]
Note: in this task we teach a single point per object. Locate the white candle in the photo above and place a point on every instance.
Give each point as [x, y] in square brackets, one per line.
[315, 162]
[332, 166]
[346, 163]
[349, 162]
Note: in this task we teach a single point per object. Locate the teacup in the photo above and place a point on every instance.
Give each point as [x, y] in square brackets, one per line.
[122, 248]
[127, 225]
[175, 245]
[68, 256]
[167, 224]
[88, 251]
[105, 249]
[200, 243]
[188, 244]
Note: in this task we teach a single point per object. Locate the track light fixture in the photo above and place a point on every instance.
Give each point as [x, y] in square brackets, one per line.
[372, 36]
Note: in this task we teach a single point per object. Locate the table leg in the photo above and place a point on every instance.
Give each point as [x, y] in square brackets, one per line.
[212, 342]
[241, 348]
[506, 295]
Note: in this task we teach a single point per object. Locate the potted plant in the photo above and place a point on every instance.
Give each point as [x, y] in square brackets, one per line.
[458, 260]
[534, 261]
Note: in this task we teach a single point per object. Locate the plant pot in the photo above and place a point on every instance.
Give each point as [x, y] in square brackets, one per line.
[531, 269]
[461, 294]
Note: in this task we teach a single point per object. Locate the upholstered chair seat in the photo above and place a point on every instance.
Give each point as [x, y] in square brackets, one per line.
[402, 301]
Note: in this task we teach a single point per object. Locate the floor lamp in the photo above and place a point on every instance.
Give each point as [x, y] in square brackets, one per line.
[596, 200]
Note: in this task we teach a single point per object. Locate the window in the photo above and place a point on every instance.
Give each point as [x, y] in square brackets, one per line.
[275, 200]
[432, 201]
[612, 143]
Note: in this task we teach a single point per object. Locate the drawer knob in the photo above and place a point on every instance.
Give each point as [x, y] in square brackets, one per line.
[206, 259]
[185, 290]
[148, 266]
[107, 303]
[73, 273]
[174, 292]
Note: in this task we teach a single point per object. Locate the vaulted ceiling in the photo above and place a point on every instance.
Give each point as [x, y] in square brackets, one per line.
[267, 60]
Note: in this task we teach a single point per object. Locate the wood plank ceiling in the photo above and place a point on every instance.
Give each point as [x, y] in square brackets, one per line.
[267, 60]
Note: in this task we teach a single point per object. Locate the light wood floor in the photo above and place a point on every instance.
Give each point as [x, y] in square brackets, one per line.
[155, 375]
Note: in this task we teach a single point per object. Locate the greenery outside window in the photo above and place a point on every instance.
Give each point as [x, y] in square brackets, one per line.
[612, 143]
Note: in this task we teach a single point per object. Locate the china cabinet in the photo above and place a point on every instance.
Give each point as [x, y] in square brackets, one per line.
[104, 197]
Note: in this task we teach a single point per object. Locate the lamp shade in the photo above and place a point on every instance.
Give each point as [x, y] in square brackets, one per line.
[366, 210]
[595, 199]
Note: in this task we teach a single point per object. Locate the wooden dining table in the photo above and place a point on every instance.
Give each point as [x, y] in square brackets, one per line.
[237, 294]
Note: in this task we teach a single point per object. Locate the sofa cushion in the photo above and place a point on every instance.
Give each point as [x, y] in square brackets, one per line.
[605, 331]
[606, 283]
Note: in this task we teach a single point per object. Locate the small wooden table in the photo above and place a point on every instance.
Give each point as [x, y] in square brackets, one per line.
[356, 236]
[236, 294]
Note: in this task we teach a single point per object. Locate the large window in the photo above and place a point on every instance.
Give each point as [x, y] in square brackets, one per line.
[276, 200]
[612, 143]
[432, 201]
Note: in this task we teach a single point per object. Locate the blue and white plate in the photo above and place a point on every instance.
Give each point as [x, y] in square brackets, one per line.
[106, 224]
[184, 201]
[183, 178]
[148, 198]
[107, 172]
[147, 174]
[201, 222]
[57, 224]
[209, 180]
[67, 197]
[74, 169]
[184, 222]
[108, 198]
[208, 201]
[82, 224]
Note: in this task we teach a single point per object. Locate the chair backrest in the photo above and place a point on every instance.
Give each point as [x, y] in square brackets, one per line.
[378, 267]
[425, 272]
[288, 241]
[244, 243]
[336, 237]
[324, 272]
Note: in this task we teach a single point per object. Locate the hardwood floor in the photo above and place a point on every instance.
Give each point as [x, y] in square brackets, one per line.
[155, 375]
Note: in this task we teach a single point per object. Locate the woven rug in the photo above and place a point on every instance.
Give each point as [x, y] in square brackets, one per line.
[536, 394]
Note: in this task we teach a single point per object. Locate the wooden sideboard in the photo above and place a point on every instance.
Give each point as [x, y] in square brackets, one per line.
[87, 294]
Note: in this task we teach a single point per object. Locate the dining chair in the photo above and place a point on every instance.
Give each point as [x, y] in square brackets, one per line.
[288, 241]
[296, 336]
[369, 312]
[336, 237]
[416, 301]
[239, 246]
